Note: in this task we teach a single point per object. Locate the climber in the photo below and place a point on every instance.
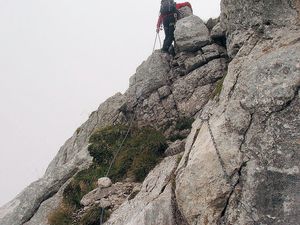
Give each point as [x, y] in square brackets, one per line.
[168, 17]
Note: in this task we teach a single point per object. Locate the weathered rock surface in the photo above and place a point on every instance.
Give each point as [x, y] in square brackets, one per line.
[192, 91]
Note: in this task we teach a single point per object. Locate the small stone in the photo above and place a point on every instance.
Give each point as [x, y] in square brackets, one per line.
[86, 208]
[104, 182]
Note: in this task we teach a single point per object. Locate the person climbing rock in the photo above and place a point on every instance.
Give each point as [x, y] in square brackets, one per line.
[168, 17]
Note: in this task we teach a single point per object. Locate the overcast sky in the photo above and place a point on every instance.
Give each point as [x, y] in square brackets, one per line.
[59, 60]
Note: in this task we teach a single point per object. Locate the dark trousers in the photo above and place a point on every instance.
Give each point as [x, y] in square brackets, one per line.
[169, 27]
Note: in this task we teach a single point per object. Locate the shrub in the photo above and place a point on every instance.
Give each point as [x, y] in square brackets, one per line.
[92, 216]
[175, 137]
[142, 165]
[72, 194]
[184, 123]
[62, 215]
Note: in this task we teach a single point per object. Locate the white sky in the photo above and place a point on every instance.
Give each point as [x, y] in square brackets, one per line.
[59, 60]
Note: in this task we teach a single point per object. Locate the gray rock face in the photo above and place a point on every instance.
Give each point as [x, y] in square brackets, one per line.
[243, 18]
[192, 91]
[172, 98]
[212, 22]
[191, 34]
[269, 137]
[241, 167]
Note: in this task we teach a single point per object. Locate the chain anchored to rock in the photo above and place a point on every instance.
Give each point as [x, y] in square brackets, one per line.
[113, 160]
[226, 175]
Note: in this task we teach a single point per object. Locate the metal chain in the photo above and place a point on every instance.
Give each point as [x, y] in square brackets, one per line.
[218, 152]
[113, 160]
[227, 177]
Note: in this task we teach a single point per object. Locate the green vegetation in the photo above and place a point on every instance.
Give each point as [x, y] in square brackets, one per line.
[92, 216]
[218, 89]
[62, 215]
[176, 137]
[184, 123]
[140, 152]
[181, 124]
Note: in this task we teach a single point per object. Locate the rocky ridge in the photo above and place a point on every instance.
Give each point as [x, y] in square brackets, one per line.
[241, 157]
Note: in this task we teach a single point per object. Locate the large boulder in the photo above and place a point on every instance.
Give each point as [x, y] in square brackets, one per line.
[191, 34]
[149, 76]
